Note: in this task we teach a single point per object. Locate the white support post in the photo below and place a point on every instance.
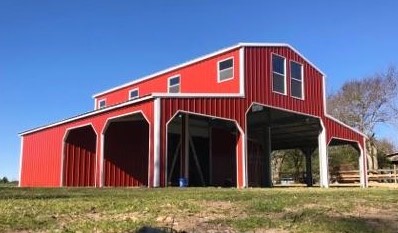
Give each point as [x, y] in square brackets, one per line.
[362, 169]
[186, 148]
[156, 142]
[323, 159]
[20, 162]
[210, 156]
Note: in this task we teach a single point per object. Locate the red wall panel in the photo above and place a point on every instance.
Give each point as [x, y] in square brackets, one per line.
[126, 154]
[200, 77]
[224, 157]
[42, 150]
[79, 157]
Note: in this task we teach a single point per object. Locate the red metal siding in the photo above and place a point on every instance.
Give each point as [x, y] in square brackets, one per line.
[41, 164]
[224, 157]
[79, 157]
[42, 150]
[126, 154]
[258, 73]
[200, 77]
[227, 108]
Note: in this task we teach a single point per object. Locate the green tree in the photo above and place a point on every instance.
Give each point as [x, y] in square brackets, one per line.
[367, 103]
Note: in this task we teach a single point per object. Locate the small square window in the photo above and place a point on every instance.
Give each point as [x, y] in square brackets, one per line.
[278, 74]
[101, 103]
[226, 70]
[133, 94]
[174, 84]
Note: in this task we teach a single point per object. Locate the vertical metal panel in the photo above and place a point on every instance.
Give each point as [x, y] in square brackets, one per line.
[42, 150]
[223, 157]
[126, 153]
[80, 151]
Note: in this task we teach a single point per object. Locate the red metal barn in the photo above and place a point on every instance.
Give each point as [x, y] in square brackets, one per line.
[214, 120]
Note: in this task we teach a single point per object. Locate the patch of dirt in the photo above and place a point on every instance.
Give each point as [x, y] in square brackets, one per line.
[204, 221]
[378, 218]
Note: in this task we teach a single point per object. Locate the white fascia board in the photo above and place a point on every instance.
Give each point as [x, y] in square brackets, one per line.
[198, 95]
[95, 112]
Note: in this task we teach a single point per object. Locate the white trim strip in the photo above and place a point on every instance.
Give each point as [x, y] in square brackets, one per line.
[156, 143]
[196, 95]
[242, 71]
[20, 162]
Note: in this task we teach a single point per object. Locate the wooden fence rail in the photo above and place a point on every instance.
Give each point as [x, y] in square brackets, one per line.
[380, 175]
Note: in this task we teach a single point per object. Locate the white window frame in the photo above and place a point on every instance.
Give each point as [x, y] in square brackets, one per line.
[284, 75]
[99, 103]
[132, 90]
[301, 81]
[170, 86]
[219, 71]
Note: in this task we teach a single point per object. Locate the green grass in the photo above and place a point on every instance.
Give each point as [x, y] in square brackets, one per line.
[199, 209]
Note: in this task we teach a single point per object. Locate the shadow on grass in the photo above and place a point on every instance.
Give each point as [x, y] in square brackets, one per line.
[147, 229]
[312, 220]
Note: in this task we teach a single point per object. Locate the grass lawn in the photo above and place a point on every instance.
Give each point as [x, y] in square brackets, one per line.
[199, 210]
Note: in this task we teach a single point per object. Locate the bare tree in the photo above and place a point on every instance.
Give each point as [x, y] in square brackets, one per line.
[366, 103]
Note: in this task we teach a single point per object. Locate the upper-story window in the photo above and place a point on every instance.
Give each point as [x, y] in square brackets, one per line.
[225, 69]
[101, 103]
[278, 74]
[133, 94]
[174, 84]
[296, 79]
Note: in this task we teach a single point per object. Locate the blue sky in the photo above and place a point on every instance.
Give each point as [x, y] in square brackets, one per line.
[55, 54]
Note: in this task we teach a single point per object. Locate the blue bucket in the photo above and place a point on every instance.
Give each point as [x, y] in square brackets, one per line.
[183, 182]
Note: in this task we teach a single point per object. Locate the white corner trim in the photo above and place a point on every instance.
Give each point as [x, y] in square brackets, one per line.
[20, 162]
[242, 71]
[156, 143]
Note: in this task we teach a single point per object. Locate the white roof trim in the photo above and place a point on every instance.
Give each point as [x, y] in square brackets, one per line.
[204, 57]
[86, 115]
[195, 95]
